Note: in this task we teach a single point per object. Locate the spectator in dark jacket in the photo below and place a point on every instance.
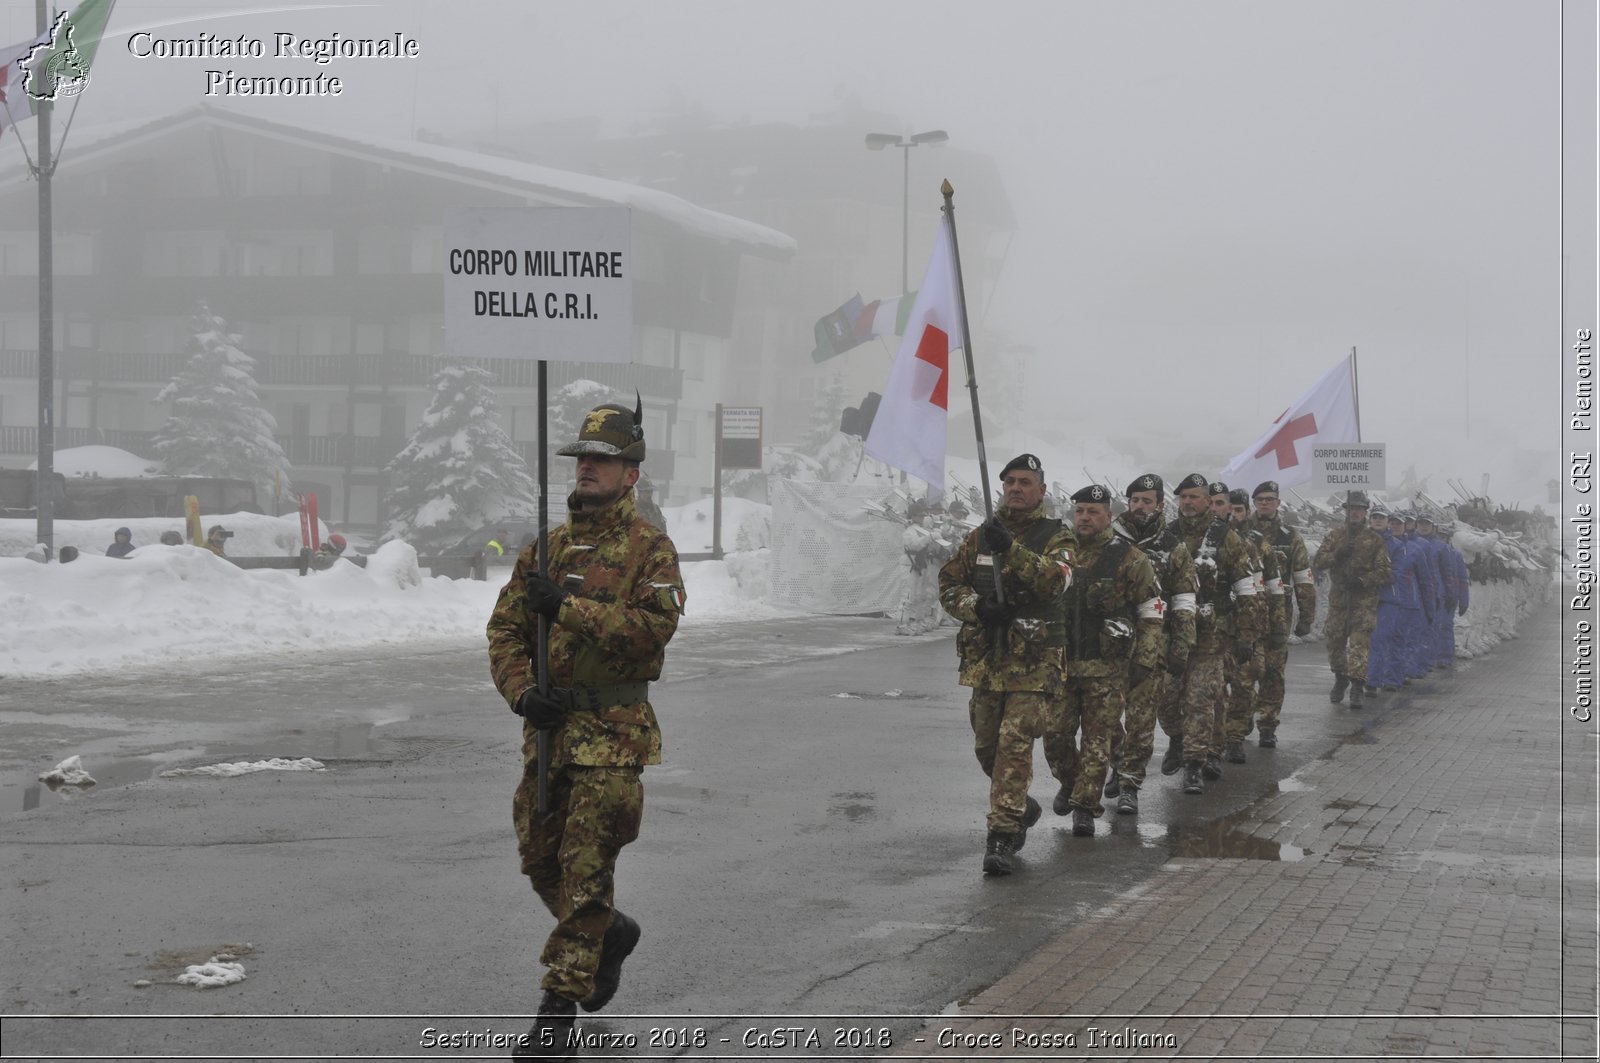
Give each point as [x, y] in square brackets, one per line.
[123, 545]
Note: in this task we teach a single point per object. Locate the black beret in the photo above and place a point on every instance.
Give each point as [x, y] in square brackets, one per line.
[1194, 479]
[1093, 493]
[1237, 497]
[1265, 487]
[1024, 461]
[1148, 482]
[1217, 487]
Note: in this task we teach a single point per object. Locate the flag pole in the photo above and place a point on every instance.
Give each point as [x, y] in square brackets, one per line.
[966, 346]
[45, 494]
[1355, 391]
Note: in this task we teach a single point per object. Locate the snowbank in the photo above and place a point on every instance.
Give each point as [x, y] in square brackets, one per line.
[173, 604]
[254, 535]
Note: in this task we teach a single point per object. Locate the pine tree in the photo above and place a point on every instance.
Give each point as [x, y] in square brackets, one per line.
[217, 425]
[459, 470]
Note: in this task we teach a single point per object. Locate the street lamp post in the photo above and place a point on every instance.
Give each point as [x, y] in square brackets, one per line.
[879, 141]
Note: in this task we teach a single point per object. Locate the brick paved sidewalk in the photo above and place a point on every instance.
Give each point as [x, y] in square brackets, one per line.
[1448, 851]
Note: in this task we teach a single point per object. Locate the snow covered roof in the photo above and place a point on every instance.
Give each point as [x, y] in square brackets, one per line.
[540, 183]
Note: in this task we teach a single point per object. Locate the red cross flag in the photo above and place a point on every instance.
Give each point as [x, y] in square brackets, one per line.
[909, 429]
[1325, 414]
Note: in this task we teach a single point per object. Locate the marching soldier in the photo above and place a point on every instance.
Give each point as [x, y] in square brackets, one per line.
[1242, 693]
[1113, 625]
[1358, 566]
[1005, 584]
[1229, 614]
[612, 598]
[1144, 525]
[1294, 563]
[1237, 671]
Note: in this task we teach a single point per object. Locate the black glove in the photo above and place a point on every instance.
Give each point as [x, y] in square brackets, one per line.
[990, 611]
[1138, 673]
[996, 537]
[541, 710]
[1176, 667]
[1243, 651]
[1277, 640]
[544, 596]
[1303, 628]
[1461, 609]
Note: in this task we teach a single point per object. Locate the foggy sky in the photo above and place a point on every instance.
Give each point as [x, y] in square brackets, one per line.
[1215, 201]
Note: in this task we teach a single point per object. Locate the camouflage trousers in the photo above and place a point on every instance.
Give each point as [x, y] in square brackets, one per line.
[1269, 690]
[1004, 725]
[1349, 634]
[1202, 688]
[1133, 744]
[1236, 706]
[1092, 705]
[570, 856]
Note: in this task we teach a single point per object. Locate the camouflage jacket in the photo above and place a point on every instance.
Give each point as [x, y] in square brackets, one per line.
[1175, 576]
[1266, 560]
[1113, 613]
[1294, 562]
[1357, 564]
[1027, 652]
[1230, 608]
[624, 598]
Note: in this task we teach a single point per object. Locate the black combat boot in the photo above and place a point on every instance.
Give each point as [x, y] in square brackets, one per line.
[1211, 767]
[997, 856]
[621, 936]
[1336, 695]
[552, 1030]
[1128, 802]
[1235, 753]
[1269, 738]
[1191, 779]
[1356, 690]
[1030, 816]
[1173, 759]
[1063, 802]
[1082, 823]
[1113, 784]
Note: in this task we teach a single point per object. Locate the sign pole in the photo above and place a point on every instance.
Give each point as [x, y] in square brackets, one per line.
[541, 660]
[45, 495]
[716, 494]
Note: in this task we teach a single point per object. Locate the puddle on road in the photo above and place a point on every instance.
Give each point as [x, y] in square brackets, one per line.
[21, 791]
[1224, 839]
[854, 806]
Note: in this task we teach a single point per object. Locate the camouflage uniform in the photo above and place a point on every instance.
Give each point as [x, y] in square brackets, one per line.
[1294, 567]
[1238, 718]
[1355, 580]
[1113, 619]
[1230, 610]
[607, 642]
[1159, 695]
[1015, 671]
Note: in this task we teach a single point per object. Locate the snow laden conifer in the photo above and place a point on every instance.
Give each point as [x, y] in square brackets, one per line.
[459, 470]
[216, 425]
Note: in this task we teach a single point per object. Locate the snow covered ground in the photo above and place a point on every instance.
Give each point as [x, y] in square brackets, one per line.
[183, 603]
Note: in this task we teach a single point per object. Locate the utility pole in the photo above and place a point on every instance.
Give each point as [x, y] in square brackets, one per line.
[45, 494]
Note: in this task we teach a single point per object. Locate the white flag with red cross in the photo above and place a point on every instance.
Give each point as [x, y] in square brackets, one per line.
[909, 429]
[1325, 414]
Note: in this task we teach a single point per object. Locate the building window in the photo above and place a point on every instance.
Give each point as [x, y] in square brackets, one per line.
[687, 441]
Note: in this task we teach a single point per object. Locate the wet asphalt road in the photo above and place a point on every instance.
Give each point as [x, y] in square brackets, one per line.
[811, 844]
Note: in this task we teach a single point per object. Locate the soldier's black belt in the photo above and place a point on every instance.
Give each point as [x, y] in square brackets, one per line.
[592, 699]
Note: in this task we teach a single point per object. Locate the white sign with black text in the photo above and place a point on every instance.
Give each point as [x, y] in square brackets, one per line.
[552, 283]
[1349, 466]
